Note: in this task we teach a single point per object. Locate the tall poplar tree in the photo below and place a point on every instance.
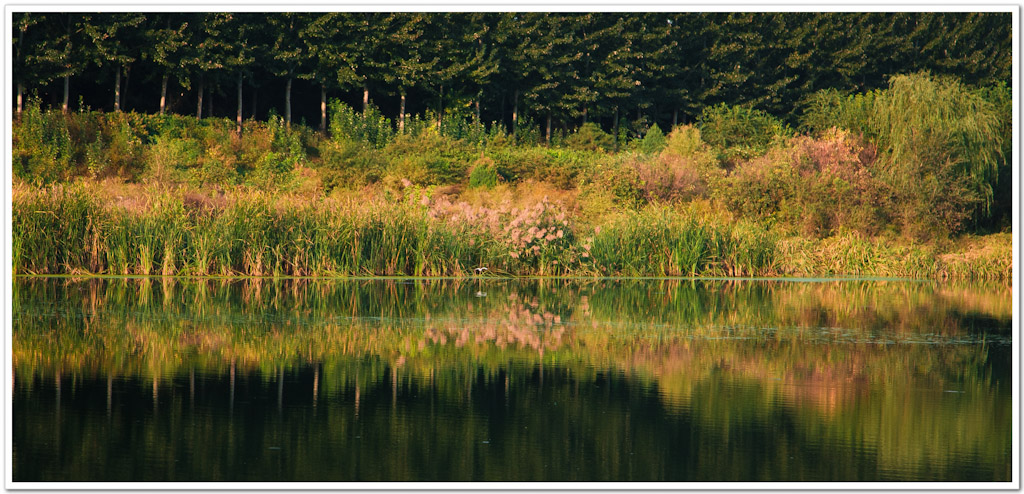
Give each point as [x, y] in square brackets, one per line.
[167, 42]
[116, 43]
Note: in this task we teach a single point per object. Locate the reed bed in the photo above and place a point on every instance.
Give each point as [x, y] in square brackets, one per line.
[92, 228]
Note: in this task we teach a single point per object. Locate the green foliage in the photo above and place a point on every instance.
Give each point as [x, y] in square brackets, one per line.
[484, 174]
[347, 163]
[428, 159]
[1001, 97]
[42, 146]
[653, 142]
[286, 152]
[590, 137]
[462, 126]
[371, 127]
[562, 167]
[940, 142]
[738, 132]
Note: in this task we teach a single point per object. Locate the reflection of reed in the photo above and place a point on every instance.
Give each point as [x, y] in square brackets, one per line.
[671, 332]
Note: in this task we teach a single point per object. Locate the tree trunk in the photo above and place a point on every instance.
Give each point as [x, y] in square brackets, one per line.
[163, 94]
[515, 111]
[615, 129]
[124, 89]
[67, 83]
[547, 132]
[401, 114]
[117, 91]
[323, 109]
[21, 91]
[238, 117]
[199, 102]
[584, 114]
[675, 117]
[440, 107]
[288, 103]
[366, 98]
[477, 105]
[209, 102]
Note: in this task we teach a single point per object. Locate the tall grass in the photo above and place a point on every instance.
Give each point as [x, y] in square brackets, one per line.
[80, 228]
[658, 241]
[65, 230]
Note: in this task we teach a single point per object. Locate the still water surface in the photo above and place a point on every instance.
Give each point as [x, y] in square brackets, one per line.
[433, 380]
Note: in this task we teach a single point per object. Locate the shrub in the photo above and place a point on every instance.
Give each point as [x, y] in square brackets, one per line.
[738, 132]
[940, 143]
[428, 159]
[590, 137]
[685, 168]
[369, 127]
[169, 156]
[344, 162]
[684, 141]
[560, 167]
[834, 187]
[42, 146]
[654, 141]
[484, 174]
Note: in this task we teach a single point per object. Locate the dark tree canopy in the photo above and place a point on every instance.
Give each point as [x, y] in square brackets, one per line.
[572, 67]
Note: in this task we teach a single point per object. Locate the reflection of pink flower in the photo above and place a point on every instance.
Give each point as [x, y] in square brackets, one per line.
[559, 234]
[514, 255]
[425, 200]
[597, 229]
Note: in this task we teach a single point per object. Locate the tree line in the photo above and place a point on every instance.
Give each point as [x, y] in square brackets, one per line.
[561, 69]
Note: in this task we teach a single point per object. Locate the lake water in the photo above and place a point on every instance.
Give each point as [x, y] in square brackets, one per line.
[510, 380]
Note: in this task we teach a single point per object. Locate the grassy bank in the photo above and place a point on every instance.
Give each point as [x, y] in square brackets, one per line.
[116, 228]
[910, 181]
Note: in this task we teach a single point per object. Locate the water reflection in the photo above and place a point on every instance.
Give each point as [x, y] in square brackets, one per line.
[537, 380]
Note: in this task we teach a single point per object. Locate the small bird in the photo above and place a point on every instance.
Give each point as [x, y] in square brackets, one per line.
[480, 270]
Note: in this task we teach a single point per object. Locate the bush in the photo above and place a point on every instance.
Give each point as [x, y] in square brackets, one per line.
[590, 137]
[738, 132]
[428, 159]
[940, 143]
[42, 146]
[348, 163]
[560, 167]
[484, 174]
[654, 141]
[369, 127]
